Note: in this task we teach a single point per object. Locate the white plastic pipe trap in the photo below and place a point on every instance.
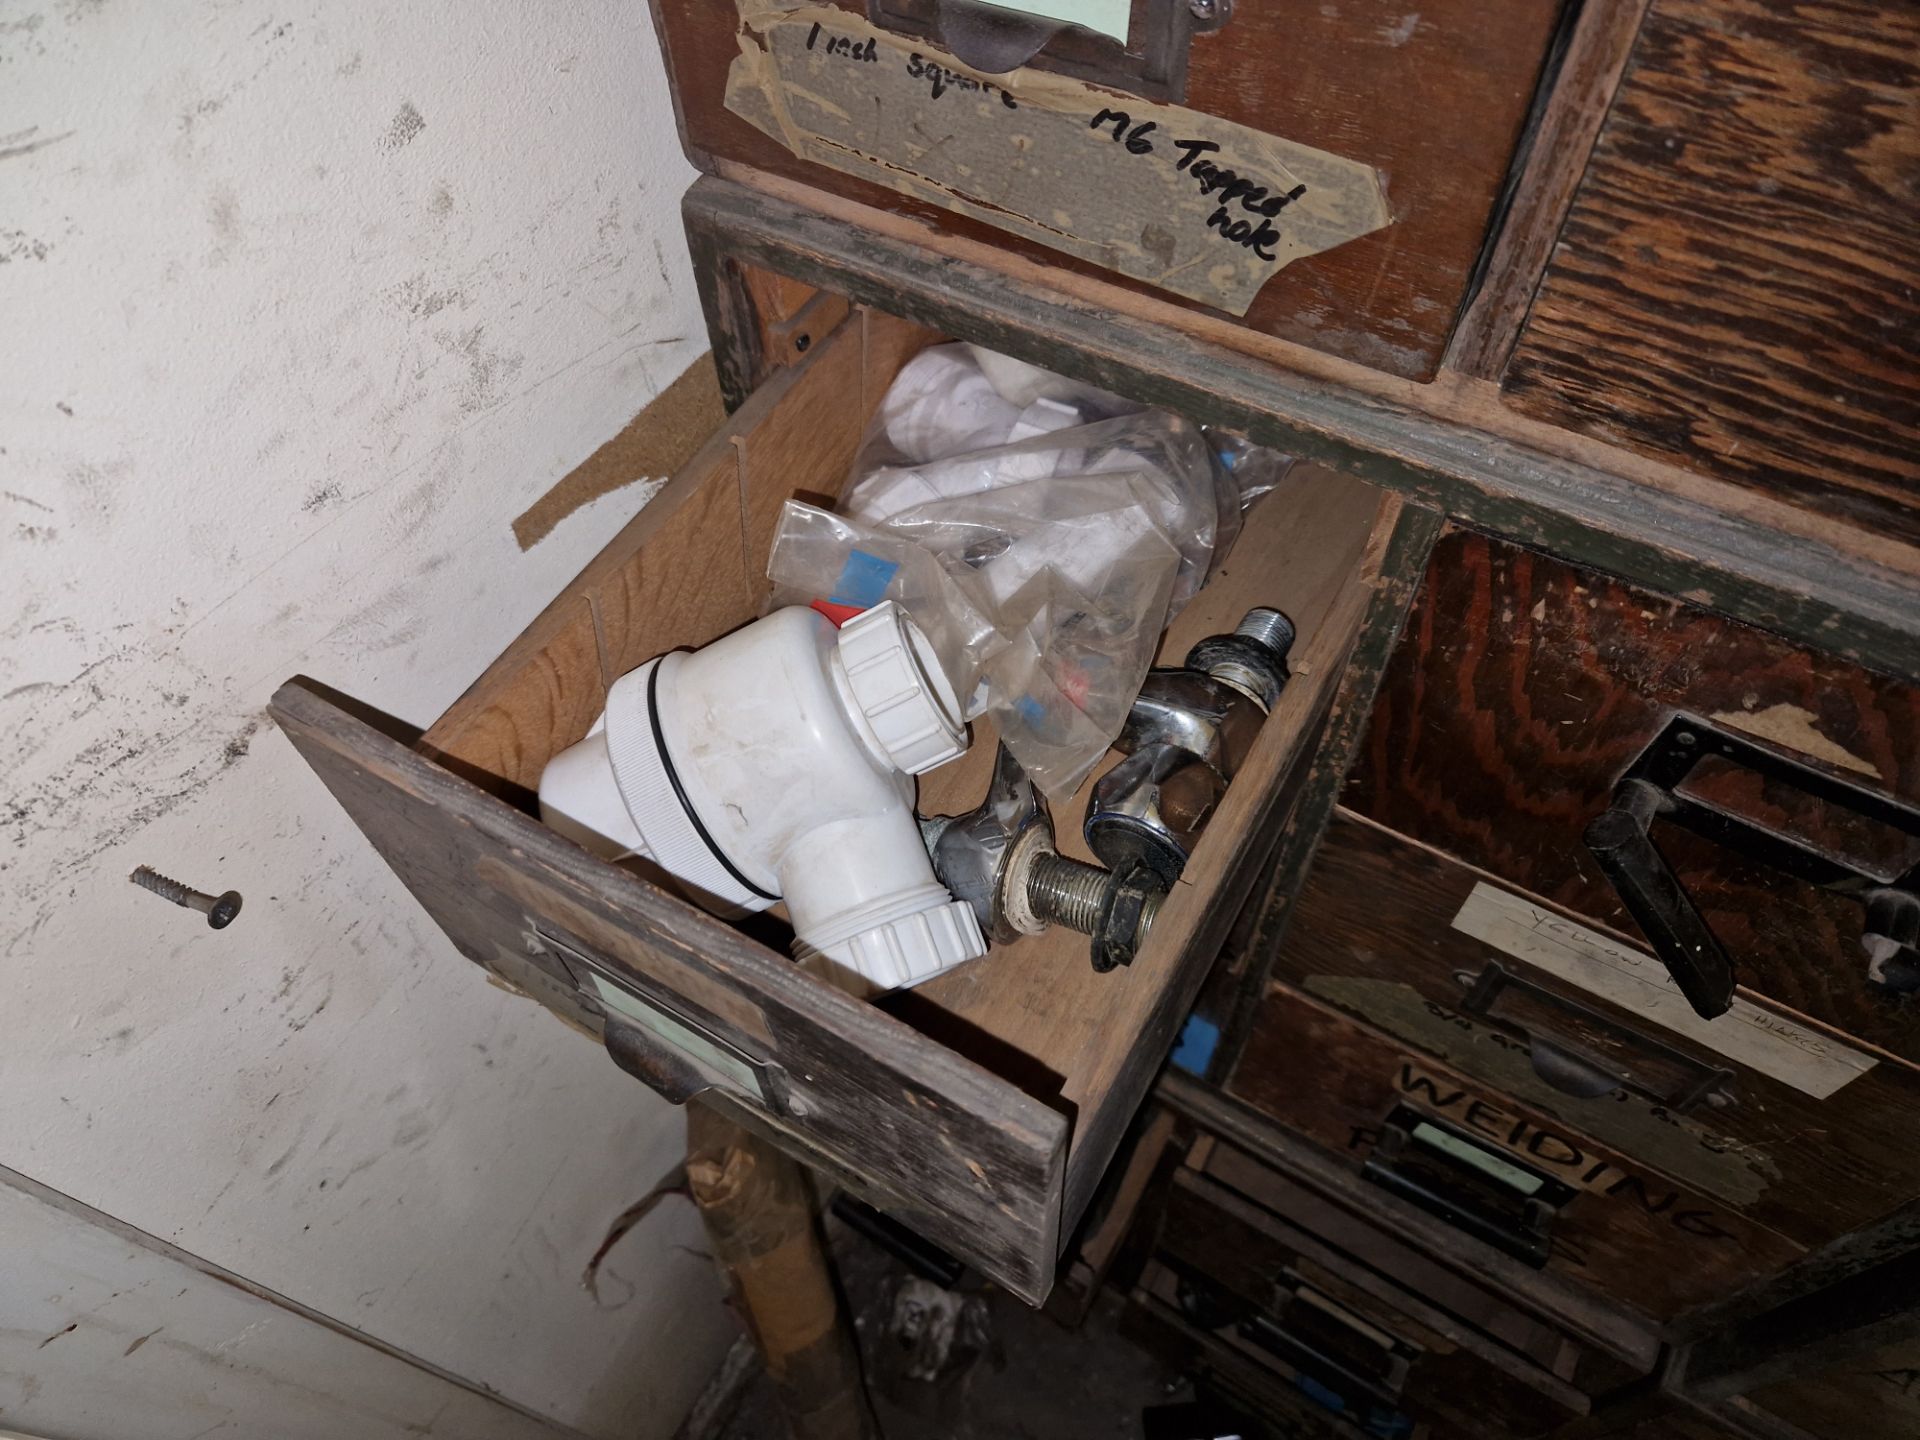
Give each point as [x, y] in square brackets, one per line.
[774, 764]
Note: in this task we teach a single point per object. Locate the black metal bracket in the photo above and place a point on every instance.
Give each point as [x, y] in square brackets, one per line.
[1621, 841]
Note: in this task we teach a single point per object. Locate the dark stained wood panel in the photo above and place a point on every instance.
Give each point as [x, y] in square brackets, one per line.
[1434, 93]
[1875, 1396]
[1371, 934]
[1524, 686]
[1240, 1250]
[1629, 1234]
[1738, 285]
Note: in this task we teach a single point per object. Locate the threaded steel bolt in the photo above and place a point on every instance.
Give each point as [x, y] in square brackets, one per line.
[1064, 891]
[219, 909]
[1068, 892]
[1269, 627]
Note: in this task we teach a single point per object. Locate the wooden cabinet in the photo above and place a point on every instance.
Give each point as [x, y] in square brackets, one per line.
[1433, 98]
[1501, 1168]
[1455, 913]
[1297, 1302]
[1612, 427]
[1734, 288]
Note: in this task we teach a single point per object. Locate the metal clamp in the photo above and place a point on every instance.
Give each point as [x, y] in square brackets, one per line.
[1621, 841]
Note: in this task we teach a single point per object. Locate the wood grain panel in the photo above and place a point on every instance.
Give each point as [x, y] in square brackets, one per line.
[554, 690]
[1524, 686]
[1738, 285]
[1554, 158]
[1371, 934]
[678, 573]
[805, 449]
[1434, 94]
[1633, 1235]
[1485, 1311]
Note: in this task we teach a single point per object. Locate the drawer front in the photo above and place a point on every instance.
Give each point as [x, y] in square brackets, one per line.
[967, 1159]
[1222, 1365]
[1029, 165]
[1524, 688]
[1502, 1172]
[1562, 1354]
[1737, 287]
[1391, 932]
[1243, 1268]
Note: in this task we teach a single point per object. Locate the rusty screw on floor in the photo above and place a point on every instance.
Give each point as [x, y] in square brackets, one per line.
[219, 909]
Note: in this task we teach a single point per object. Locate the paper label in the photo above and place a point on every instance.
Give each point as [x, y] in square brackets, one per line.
[1759, 1039]
[1103, 17]
[1194, 205]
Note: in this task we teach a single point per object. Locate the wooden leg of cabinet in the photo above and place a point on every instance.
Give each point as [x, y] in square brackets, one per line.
[759, 1220]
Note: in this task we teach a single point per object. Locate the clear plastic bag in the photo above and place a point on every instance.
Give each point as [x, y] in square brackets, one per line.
[1041, 532]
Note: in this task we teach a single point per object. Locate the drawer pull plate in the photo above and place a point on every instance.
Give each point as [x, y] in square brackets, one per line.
[1460, 1179]
[1569, 1068]
[665, 1045]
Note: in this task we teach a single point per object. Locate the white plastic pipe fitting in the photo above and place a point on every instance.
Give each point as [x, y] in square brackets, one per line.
[775, 764]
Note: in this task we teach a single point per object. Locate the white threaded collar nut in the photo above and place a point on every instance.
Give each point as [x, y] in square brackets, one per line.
[900, 688]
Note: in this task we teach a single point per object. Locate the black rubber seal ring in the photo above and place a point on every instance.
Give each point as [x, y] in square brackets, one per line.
[666, 764]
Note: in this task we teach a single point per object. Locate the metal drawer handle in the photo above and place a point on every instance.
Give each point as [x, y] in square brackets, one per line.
[1659, 903]
[1452, 1175]
[1622, 843]
[654, 1064]
[1571, 1070]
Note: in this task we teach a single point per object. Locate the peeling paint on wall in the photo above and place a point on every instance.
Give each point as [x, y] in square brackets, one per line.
[407, 123]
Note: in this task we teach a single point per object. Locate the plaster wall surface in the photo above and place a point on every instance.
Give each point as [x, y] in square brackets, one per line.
[300, 304]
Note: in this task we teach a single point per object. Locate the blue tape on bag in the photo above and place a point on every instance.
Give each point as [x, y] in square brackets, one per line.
[863, 580]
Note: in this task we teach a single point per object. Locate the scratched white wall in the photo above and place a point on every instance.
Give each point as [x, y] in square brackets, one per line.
[300, 304]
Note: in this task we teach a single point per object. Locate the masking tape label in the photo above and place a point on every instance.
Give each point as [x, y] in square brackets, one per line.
[1759, 1039]
[1183, 201]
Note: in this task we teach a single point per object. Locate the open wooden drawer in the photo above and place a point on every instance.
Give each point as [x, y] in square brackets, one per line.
[980, 1108]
